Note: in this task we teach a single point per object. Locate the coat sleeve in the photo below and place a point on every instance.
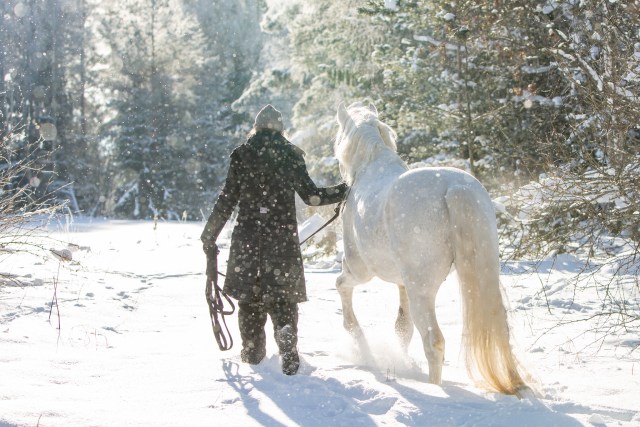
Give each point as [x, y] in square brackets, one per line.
[225, 204]
[309, 192]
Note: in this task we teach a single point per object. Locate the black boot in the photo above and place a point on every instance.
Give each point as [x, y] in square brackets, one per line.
[252, 356]
[287, 340]
[290, 363]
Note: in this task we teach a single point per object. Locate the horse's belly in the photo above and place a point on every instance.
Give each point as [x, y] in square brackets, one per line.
[382, 262]
[366, 248]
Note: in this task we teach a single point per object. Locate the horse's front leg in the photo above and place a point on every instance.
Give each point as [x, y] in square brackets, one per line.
[344, 285]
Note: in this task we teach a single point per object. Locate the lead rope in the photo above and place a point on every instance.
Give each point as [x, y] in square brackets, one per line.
[216, 305]
[337, 213]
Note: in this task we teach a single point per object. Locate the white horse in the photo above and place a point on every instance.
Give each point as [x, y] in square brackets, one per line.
[409, 227]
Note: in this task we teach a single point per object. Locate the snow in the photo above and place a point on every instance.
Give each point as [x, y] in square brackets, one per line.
[449, 16]
[135, 346]
[391, 4]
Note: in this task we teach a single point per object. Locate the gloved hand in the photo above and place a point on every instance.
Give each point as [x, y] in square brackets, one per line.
[210, 249]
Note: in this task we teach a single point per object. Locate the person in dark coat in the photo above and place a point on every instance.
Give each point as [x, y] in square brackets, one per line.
[265, 270]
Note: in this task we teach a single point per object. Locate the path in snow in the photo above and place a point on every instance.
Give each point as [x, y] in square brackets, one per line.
[135, 348]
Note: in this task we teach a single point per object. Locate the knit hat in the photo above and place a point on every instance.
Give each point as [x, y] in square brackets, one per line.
[269, 118]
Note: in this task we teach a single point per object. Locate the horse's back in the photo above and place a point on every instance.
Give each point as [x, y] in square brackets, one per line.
[426, 188]
[422, 188]
[438, 179]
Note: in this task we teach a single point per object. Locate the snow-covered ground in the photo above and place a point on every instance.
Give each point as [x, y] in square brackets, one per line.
[135, 347]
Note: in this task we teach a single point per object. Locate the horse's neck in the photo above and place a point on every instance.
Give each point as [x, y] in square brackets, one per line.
[382, 169]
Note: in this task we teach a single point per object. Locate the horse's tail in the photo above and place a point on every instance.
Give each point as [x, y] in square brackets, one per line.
[485, 328]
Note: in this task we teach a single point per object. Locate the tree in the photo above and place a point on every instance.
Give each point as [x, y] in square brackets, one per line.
[211, 127]
[24, 206]
[593, 183]
[78, 158]
[40, 62]
[170, 71]
[331, 63]
[154, 91]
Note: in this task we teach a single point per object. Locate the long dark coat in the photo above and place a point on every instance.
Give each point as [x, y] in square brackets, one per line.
[265, 261]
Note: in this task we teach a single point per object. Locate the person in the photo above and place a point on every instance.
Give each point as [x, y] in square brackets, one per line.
[265, 270]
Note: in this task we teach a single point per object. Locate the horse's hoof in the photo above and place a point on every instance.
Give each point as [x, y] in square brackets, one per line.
[437, 381]
[435, 377]
[356, 333]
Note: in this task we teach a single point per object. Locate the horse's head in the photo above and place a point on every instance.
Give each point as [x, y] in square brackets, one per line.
[360, 136]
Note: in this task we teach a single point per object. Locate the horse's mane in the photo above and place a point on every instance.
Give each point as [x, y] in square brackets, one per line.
[358, 143]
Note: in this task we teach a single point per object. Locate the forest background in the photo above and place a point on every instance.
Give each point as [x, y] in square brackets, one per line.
[129, 109]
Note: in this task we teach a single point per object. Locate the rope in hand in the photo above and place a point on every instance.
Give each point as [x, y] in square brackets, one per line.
[216, 303]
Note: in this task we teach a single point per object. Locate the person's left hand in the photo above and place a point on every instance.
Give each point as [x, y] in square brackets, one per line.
[210, 249]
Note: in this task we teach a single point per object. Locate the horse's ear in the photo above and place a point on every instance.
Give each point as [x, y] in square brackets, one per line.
[373, 108]
[343, 115]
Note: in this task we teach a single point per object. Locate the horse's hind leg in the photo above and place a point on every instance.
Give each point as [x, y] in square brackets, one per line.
[404, 323]
[423, 311]
[344, 285]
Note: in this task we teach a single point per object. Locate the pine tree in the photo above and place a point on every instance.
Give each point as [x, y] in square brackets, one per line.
[592, 184]
[331, 63]
[210, 127]
[152, 87]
